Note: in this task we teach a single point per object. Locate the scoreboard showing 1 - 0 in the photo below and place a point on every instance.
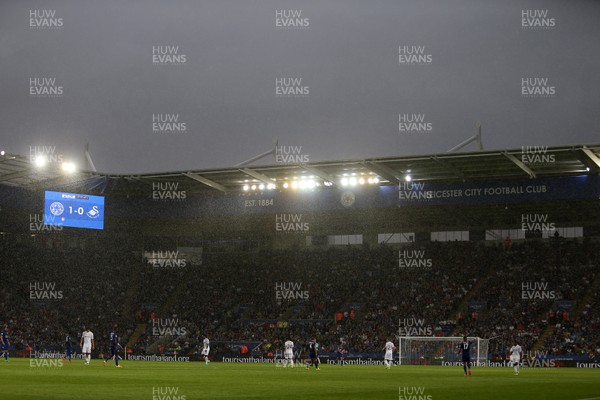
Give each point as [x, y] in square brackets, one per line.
[74, 210]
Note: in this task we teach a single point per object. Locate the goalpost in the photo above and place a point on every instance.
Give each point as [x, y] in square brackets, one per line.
[433, 350]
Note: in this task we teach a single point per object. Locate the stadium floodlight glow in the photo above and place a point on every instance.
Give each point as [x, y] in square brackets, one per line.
[271, 186]
[352, 181]
[327, 183]
[68, 167]
[376, 180]
[408, 178]
[246, 187]
[344, 181]
[302, 184]
[261, 186]
[286, 185]
[361, 181]
[294, 185]
[253, 187]
[40, 161]
[2, 153]
[586, 168]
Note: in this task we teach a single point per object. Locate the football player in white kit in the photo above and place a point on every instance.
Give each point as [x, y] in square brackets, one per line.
[87, 344]
[389, 356]
[288, 355]
[205, 350]
[515, 357]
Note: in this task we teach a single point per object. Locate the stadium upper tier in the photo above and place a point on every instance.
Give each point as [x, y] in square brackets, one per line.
[525, 162]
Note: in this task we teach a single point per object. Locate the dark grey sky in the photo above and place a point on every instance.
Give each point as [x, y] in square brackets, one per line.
[347, 56]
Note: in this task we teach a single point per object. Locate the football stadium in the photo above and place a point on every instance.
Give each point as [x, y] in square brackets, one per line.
[279, 237]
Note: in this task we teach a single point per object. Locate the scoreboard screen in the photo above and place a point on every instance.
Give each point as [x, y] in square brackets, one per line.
[74, 210]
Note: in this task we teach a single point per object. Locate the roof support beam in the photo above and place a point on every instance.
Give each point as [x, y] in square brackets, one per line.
[138, 179]
[262, 155]
[519, 164]
[16, 175]
[207, 182]
[591, 155]
[451, 167]
[383, 171]
[321, 174]
[8, 157]
[263, 178]
[99, 183]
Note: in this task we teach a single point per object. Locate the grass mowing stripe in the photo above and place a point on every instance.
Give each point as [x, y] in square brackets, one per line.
[147, 380]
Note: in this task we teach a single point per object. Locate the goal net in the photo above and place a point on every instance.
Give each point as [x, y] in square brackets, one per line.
[431, 350]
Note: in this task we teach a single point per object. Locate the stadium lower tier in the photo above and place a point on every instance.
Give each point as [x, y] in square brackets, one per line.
[543, 295]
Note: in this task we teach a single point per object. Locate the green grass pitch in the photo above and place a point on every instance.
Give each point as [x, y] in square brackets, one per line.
[187, 381]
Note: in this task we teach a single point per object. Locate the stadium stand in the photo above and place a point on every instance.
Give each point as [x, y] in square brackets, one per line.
[480, 284]
[232, 297]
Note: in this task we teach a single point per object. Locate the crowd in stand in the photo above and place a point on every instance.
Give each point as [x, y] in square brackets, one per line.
[357, 295]
[54, 288]
[522, 292]
[579, 336]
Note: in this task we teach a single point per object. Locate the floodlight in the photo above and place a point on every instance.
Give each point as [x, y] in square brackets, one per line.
[68, 167]
[40, 161]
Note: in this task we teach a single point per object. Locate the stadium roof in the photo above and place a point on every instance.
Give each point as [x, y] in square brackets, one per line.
[494, 164]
